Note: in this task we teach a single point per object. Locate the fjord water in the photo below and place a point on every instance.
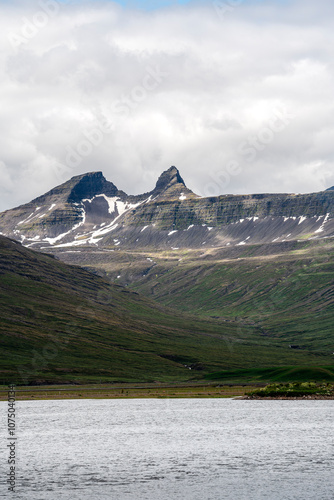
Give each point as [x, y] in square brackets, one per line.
[196, 449]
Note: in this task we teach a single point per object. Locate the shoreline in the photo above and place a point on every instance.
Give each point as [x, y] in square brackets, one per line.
[130, 391]
[148, 391]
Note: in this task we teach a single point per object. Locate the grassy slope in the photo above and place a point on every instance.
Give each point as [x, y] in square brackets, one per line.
[288, 297]
[62, 323]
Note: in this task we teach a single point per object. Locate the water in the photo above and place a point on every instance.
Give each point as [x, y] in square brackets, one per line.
[181, 449]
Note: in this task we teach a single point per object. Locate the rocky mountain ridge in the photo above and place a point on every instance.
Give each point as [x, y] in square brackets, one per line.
[89, 211]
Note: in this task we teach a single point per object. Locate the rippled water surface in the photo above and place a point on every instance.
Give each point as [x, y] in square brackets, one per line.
[196, 449]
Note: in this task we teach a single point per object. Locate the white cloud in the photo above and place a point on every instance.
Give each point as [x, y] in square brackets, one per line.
[181, 86]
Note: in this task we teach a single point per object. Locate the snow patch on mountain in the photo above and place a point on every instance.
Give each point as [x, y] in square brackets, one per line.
[321, 228]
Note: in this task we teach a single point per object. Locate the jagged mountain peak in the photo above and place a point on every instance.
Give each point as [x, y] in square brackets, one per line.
[168, 179]
[170, 185]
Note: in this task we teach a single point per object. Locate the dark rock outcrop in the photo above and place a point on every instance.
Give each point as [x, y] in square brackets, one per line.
[91, 185]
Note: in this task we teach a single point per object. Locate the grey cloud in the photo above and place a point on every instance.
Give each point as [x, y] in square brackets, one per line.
[129, 93]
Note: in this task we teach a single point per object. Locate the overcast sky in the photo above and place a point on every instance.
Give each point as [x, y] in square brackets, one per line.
[237, 94]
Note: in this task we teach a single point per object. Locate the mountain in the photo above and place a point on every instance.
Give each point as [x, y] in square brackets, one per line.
[88, 212]
[83, 209]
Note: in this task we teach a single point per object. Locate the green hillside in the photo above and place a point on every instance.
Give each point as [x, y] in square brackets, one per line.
[288, 296]
[61, 323]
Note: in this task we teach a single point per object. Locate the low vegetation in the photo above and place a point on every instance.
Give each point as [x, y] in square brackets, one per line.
[295, 390]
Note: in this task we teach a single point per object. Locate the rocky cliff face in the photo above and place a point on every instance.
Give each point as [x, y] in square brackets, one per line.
[89, 211]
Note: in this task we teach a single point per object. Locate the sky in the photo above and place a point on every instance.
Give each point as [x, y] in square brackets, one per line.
[237, 94]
